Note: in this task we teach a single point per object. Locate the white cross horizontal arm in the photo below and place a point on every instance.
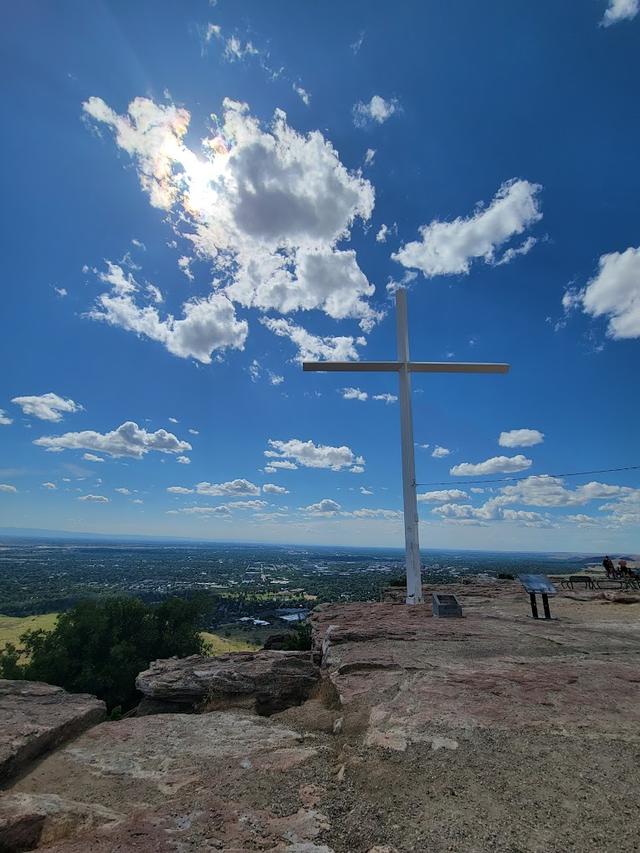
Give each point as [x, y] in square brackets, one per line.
[395, 366]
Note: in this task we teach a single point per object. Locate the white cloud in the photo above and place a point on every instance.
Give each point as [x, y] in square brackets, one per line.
[267, 207]
[492, 510]
[207, 325]
[385, 231]
[357, 469]
[211, 31]
[305, 97]
[520, 438]
[582, 520]
[127, 440]
[154, 293]
[549, 491]
[97, 499]
[364, 491]
[369, 157]
[376, 513]
[235, 50]
[47, 407]
[173, 420]
[61, 291]
[185, 266]
[153, 135]
[448, 248]
[138, 244]
[325, 507]
[6, 487]
[443, 496]
[310, 455]
[514, 251]
[625, 509]
[91, 457]
[50, 486]
[122, 491]
[529, 519]
[313, 347]
[612, 293]
[620, 10]
[386, 398]
[284, 465]
[275, 378]
[183, 460]
[357, 44]
[222, 510]
[233, 487]
[407, 277]
[5, 420]
[179, 490]
[273, 489]
[255, 371]
[193, 431]
[137, 501]
[353, 394]
[440, 452]
[258, 504]
[325, 279]
[377, 111]
[495, 465]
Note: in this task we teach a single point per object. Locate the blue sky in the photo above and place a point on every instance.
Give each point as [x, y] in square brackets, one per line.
[199, 195]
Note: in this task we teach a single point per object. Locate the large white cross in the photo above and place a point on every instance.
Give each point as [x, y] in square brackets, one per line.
[403, 367]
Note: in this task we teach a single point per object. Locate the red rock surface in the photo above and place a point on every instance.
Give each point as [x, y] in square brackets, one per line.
[36, 717]
[264, 681]
[493, 732]
[398, 671]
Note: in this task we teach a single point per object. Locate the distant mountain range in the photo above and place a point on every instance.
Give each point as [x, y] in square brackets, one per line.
[71, 535]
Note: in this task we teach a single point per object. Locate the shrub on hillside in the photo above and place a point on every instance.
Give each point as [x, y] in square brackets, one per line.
[101, 645]
[299, 640]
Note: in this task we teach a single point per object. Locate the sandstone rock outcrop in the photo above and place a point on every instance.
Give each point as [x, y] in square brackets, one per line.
[264, 682]
[216, 781]
[28, 821]
[35, 717]
[400, 674]
[490, 732]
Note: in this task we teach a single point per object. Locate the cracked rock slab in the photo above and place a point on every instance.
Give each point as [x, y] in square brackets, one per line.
[265, 681]
[37, 717]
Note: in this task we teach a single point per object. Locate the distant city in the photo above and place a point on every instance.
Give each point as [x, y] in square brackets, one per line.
[254, 583]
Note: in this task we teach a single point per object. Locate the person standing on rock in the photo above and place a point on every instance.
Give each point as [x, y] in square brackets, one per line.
[608, 566]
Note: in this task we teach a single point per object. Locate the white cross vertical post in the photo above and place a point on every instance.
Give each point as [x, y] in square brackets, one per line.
[409, 496]
[403, 367]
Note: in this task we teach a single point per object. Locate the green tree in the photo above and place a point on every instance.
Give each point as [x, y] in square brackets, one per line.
[101, 645]
[10, 662]
[300, 639]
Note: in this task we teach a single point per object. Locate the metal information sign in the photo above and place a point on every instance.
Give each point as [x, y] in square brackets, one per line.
[537, 583]
[541, 585]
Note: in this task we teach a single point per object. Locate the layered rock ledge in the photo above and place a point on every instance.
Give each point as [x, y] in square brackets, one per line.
[264, 682]
[399, 672]
[493, 732]
[35, 718]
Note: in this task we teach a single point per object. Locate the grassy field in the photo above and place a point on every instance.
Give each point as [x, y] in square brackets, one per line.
[236, 638]
[11, 627]
[228, 638]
